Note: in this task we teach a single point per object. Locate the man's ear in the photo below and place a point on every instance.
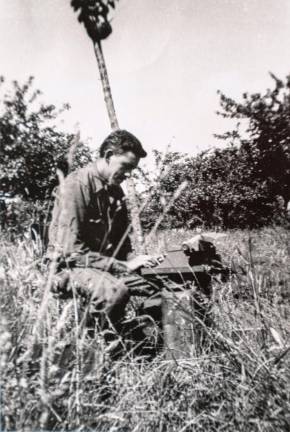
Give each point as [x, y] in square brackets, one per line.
[108, 154]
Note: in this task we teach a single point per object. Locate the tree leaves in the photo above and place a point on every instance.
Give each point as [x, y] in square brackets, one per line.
[31, 147]
[94, 14]
[246, 184]
[268, 117]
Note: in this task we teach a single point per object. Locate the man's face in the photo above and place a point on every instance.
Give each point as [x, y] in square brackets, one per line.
[120, 166]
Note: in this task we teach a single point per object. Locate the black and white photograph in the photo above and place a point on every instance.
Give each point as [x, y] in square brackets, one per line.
[145, 215]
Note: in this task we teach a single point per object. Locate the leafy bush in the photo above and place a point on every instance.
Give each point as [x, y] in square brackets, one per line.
[31, 146]
[267, 145]
[245, 185]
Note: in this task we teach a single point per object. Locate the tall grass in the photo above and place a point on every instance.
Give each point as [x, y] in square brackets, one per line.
[54, 376]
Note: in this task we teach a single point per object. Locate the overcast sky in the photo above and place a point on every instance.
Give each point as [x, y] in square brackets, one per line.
[166, 60]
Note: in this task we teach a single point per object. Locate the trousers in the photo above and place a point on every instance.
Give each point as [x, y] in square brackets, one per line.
[105, 294]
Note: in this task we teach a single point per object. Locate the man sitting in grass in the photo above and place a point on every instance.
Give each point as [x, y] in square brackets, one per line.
[89, 247]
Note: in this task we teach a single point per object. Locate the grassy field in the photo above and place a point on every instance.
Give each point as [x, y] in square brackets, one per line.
[55, 377]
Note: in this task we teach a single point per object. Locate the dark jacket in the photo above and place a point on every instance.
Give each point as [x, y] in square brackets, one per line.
[89, 222]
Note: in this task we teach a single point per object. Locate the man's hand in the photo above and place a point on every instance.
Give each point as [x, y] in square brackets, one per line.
[142, 261]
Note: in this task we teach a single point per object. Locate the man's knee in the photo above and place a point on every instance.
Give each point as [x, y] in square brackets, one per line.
[118, 294]
[101, 287]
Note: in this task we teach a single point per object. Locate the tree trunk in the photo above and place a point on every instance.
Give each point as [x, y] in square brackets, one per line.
[138, 242]
[106, 86]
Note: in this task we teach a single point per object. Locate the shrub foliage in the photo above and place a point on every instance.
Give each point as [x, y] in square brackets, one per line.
[31, 145]
[245, 184]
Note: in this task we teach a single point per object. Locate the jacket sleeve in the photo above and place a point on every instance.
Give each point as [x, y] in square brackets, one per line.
[74, 197]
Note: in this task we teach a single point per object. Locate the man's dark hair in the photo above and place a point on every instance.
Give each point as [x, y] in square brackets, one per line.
[121, 141]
